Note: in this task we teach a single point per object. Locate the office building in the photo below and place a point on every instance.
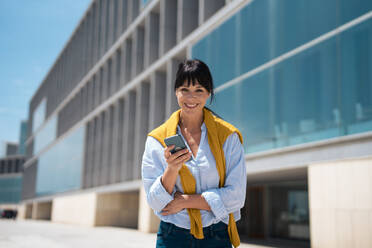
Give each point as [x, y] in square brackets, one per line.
[294, 76]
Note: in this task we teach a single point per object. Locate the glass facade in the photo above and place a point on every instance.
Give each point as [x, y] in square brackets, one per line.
[60, 168]
[39, 115]
[22, 138]
[10, 189]
[46, 135]
[322, 92]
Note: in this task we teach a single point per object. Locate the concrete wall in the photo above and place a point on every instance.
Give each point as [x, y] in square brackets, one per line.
[117, 209]
[42, 210]
[76, 209]
[340, 195]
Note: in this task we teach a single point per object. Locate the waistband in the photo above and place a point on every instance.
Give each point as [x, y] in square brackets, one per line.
[208, 231]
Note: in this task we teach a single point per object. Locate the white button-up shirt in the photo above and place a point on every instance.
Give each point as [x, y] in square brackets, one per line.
[222, 201]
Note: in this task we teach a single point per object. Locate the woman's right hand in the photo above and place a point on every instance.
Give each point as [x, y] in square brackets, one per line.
[177, 159]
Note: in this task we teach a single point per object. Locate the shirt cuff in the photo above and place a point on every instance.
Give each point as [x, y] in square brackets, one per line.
[161, 195]
[214, 201]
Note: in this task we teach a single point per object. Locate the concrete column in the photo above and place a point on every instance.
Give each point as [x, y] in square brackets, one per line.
[90, 96]
[97, 85]
[171, 104]
[157, 99]
[101, 89]
[128, 136]
[117, 141]
[110, 83]
[141, 126]
[29, 211]
[168, 25]
[138, 51]
[147, 220]
[188, 13]
[151, 38]
[340, 202]
[208, 7]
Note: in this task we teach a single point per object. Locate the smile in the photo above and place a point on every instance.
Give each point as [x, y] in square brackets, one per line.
[191, 105]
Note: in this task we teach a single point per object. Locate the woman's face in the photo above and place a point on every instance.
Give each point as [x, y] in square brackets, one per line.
[192, 98]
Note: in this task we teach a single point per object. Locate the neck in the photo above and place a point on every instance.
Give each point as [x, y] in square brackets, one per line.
[191, 122]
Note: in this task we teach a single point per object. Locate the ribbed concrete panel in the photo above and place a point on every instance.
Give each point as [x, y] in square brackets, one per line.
[157, 99]
[171, 102]
[168, 25]
[151, 38]
[116, 74]
[103, 17]
[96, 28]
[89, 140]
[105, 147]
[117, 141]
[97, 151]
[141, 126]
[138, 51]
[127, 60]
[208, 7]
[97, 84]
[110, 86]
[188, 13]
[111, 27]
[133, 10]
[123, 16]
[93, 145]
[29, 181]
[128, 136]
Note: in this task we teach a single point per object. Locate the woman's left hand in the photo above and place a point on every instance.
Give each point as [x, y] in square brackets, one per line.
[174, 206]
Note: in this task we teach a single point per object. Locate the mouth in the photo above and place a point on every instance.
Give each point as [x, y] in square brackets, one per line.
[191, 106]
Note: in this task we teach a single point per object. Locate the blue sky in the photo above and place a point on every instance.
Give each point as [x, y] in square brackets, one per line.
[33, 33]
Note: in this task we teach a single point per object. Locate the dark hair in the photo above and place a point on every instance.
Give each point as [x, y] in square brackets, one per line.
[192, 71]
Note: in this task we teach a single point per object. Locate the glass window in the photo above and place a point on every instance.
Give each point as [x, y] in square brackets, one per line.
[39, 115]
[10, 189]
[356, 78]
[55, 172]
[46, 135]
[266, 29]
[293, 102]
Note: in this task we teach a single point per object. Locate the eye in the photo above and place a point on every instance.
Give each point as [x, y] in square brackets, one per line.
[184, 89]
[199, 90]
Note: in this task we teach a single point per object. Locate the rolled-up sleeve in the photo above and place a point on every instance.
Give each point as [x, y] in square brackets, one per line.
[152, 170]
[231, 197]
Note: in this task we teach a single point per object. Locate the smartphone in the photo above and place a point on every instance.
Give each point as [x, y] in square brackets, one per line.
[177, 141]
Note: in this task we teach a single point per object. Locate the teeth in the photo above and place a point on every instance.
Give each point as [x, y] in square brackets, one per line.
[190, 105]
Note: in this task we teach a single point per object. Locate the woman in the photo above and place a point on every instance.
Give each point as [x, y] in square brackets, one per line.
[196, 192]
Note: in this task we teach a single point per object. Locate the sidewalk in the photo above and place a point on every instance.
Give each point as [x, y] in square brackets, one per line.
[45, 234]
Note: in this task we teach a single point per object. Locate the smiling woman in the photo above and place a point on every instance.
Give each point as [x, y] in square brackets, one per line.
[197, 192]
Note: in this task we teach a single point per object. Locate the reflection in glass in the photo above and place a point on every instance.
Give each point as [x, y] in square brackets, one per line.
[39, 115]
[46, 135]
[60, 168]
[290, 103]
[10, 189]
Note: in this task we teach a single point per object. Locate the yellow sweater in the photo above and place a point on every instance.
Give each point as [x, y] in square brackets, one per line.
[217, 130]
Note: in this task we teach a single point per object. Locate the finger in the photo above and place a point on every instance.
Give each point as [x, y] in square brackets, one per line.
[176, 155]
[183, 158]
[167, 150]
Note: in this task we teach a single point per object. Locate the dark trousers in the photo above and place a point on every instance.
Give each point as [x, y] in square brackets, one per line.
[171, 236]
